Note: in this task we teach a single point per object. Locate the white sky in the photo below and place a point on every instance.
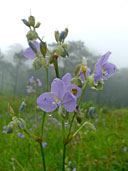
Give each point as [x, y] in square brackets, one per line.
[101, 24]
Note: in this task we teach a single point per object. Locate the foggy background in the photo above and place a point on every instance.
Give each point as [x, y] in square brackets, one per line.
[95, 27]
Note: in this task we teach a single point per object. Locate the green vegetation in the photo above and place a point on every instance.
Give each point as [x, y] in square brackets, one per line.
[105, 149]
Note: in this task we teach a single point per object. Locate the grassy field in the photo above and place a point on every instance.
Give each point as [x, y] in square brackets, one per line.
[106, 149]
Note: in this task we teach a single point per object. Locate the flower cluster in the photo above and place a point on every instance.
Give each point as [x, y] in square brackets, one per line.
[32, 84]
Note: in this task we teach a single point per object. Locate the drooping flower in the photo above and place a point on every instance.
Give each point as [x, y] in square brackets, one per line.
[104, 70]
[61, 94]
[29, 52]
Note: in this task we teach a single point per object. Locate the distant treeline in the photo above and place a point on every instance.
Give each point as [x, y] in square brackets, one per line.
[14, 76]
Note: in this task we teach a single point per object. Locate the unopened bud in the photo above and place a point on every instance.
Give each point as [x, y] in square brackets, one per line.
[43, 48]
[37, 25]
[31, 20]
[31, 35]
[26, 22]
[10, 110]
[21, 123]
[56, 36]
[22, 106]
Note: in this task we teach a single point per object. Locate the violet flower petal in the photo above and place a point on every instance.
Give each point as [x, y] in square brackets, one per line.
[28, 53]
[98, 72]
[67, 79]
[73, 86]
[110, 69]
[58, 88]
[46, 102]
[103, 59]
[69, 102]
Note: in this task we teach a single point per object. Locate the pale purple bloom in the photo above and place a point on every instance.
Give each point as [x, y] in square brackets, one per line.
[39, 83]
[60, 95]
[4, 127]
[31, 79]
[44, 144]
[83, 74]
[29, 53]
[22, 136]
[125, 149]
[74, 169]
[19, 134]
[30, 89]
[4, 132]
[104, 70]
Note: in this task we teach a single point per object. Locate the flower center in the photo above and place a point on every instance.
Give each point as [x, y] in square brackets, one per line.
[56, 100]
[103, 69]
[74, 91]
[84, 68]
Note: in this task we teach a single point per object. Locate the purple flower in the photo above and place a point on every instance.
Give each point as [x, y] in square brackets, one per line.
[29, 53]
[61, 94]
[30, 89]
[83, 74]
[74, 169]
[39, 83]
[4, 127]
[31, 79]
[76, 91]
[125, 149]
[44, 144]
[104, 70]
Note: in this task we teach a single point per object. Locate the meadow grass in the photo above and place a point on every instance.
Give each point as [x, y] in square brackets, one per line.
[104, 149]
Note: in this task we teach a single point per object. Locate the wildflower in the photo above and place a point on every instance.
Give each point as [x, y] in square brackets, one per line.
[30, 89]
[39, 83]
[125, 149]
[30, 53]
[104, 70]
[4, 127]
[74, 169]
[22, 136]
[4, 132]
[44, 144]
[91, 111]
[31, 79]
[61, 94]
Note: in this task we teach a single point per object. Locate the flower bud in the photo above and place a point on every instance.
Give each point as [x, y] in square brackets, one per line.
[31, 21]
[22, 106]
[39, 62]
[10, 128]
[43, 48]
[37, 25]
[26, 22]
[10, 110]
[56, 36]
[21, 123]
[77, 81]
[84, 61]
[31, 35]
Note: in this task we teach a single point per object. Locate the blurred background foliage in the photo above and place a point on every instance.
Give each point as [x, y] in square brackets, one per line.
[14, 76]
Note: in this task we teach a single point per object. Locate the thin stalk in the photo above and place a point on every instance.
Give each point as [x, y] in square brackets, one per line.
[64, 147]
[84, 87]
[71, 123]
[43, 158]
[64, 154]
[47, 78]
[56, 69]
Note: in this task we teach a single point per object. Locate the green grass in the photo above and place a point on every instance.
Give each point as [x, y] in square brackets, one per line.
[101, 150]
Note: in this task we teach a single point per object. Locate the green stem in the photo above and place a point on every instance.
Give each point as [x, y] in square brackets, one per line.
[71, 123]
[64, 147]
[83, 89]
[47, 78]
[56, 69]
[42, 129]
[64, 154]
[43, 158]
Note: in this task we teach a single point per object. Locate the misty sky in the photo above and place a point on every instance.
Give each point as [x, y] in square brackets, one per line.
[101, 24]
